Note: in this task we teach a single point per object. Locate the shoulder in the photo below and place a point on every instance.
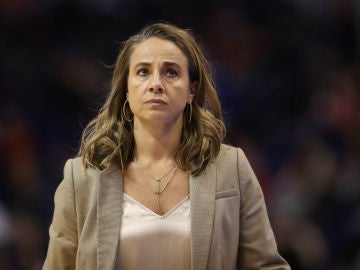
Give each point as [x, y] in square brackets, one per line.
[230, 154]
[79, 177]
[232, 162]
[227, 162]
[82, 184]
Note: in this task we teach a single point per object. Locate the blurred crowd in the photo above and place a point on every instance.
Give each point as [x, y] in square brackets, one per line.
[288, 75]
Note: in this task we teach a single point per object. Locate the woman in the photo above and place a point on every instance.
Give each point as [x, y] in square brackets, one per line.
[153, 186]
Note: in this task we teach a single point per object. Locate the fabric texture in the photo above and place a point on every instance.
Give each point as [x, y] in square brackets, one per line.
[230, 228]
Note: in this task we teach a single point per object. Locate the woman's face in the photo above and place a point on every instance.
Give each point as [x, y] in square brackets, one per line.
[158, 84]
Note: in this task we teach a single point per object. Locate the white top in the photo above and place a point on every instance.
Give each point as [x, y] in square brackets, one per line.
[150, 241]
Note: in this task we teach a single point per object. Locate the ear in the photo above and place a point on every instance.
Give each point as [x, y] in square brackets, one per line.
[193, 89]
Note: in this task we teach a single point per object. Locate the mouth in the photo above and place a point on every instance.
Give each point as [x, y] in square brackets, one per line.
[156, 101]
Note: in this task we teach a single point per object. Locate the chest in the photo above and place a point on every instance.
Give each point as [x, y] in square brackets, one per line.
[162, 242]
[158, 196]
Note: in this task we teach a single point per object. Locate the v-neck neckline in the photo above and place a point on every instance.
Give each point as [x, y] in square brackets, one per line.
[168, 213]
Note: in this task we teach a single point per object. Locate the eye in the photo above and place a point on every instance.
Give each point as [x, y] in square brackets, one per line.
[142, 72]
[171, 73]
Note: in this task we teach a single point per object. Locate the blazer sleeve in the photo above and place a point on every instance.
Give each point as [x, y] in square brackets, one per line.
[257, 246]
[62, 246]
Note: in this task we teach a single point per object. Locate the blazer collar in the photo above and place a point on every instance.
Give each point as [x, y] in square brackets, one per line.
[109, 205]
[202, 208]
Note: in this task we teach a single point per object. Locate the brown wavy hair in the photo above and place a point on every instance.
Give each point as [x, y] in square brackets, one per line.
[108, 139]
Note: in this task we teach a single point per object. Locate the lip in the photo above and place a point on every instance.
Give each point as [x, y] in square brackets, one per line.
[156, 101]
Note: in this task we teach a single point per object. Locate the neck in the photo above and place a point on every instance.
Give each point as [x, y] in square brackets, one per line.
[156, 144]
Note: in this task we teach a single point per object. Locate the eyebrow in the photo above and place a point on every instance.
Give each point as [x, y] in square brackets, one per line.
[166, 63]
[171, 63]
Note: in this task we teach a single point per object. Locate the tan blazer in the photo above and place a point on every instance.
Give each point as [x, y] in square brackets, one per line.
[229, 223]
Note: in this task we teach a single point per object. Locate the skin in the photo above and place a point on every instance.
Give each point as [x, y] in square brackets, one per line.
[158, 85]
[158, 90]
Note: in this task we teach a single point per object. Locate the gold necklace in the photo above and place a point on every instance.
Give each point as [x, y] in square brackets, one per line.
[157, 179]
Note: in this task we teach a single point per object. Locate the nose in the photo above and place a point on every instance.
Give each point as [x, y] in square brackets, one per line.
[155, 84]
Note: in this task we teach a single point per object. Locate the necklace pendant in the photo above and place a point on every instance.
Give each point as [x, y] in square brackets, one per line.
[158, 180]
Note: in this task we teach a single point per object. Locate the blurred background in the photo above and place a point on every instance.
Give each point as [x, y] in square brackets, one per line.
[287, 72]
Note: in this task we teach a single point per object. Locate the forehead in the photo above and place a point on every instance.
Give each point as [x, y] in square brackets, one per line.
[156, 49]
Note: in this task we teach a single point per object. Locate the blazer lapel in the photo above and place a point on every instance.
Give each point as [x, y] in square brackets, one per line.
[202, 205]
[109, 203]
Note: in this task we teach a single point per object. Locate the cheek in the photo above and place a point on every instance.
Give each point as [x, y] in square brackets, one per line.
[130, 85]
[135, 99]
[182, 101]
[135, 87]
[131, 100]
[132, 88]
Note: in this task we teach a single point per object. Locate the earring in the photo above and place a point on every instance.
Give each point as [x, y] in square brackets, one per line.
[124, 112]
[190, 105]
